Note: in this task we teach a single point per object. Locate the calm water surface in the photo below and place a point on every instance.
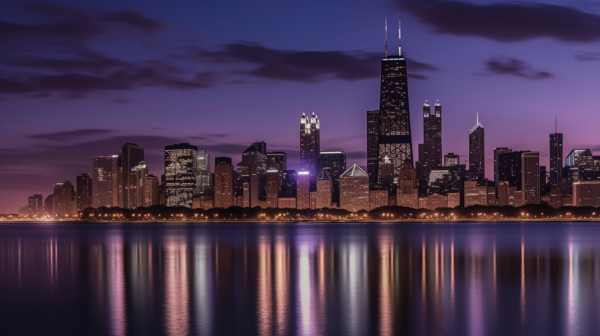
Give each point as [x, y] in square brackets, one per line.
[300, 279]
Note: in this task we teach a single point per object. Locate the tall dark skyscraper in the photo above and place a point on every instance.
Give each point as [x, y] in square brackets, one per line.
[395, 142]
[432, 136]
[277, 161]
[497, 152]
[131, 156]
[477, 151]
[556, 157]
[256, 162]
[310, 146]
[372, 145]
[84, 191]
[335, 164]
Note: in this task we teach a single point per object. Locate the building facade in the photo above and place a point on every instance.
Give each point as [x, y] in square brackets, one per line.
[132, 155]
[105, 181]
[354, 189]
[223, 189]
[477, 151]
[181, 166]
[556, 157]
[324, 190]
[310, 146]
[84, 191]
[530, 177]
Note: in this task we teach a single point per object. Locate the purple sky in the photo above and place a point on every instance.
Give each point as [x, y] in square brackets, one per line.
[77, 82]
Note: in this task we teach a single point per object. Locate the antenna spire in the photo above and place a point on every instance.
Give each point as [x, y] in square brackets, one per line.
[386, 46]
[399, 36]
[478, 117]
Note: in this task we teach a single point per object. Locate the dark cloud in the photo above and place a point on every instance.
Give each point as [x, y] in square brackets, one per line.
[83, 62]
[210, 136]
[515, 67]
[299, 66]
[71, 135]
[417, 76]
[588, 56]
[506, 21]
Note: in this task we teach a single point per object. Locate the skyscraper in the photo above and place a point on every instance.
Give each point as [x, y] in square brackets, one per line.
[477, 151]
[272, 188]
[84, 192]
[151, 191]
[131, 156]
[354, 189]
[395, 142]
[257, 163]
[223, 190]
[531, 177]
[181, 162]
[335, 164]
[303, 190]
[372, 145]
[497, 152]
[510, 167]
[63, 201]
[556, 156]
[137, 186]
[203, 174]
[432, 136]
[310, 146]
[324, 190]
[277, 161]
[35, 204]
[451, 160]
[105, 187]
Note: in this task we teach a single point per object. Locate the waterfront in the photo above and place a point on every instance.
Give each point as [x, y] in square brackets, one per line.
[308, 278]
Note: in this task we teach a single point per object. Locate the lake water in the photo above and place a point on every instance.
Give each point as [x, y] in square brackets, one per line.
[300, 279]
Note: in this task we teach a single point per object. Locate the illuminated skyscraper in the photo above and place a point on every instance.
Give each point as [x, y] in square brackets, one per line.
[84, 192]
[272, 188]
[63, 200]
[310, 146]
[303, 190]
[137, 185]
[277, 161]
[204, 179]
[257, 163]
[151, 191]
[105, 187]
[223, 190]
[451, 160]
[181, 162]
[477, 151]
[395, 142]
[556, 156]
[432, 137]
[372, 145]
[530, 177]
[324, 190]
[497, 152]
[35, 204]
[354, 189]
[335, 164]
[131, 155]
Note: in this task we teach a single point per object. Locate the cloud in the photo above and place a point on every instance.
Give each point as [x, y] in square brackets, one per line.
[417, 76]
[515, 67]
[506, 21]
[70, 135]
[588, 56]
[296, 65]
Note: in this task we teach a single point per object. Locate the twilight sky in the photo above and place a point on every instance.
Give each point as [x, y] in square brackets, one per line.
[79, 79]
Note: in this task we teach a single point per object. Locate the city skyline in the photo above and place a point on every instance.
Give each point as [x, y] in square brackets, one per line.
[61, 141]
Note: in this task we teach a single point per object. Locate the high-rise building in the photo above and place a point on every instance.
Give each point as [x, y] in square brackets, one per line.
[223, 190]
[407, 179]
[257, 163]
[497, 152]
[260, 146]
[451, 160]
[84, 192]
[354, 189]
[203, 176]
[49, 204]
[151, 191]
[477, 151]
[395, 142]
[324, 190]
[310, 146]
[335, 164]
[64, 202]
[303, 190]
[556, 157]
[288, 184]
[446, 180]
[105, 186]
[530, 177]
[181, 166]
[510, 167]
[475, 194]
[372, 145]
[556, 196]
[137, 186]
[131, 155]
[35, 204]
[586, 193]
[432, 137]
[272, 188]
[277, 161]
[378, 199]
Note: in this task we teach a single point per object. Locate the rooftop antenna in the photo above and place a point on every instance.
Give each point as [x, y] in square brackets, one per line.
[399, 36]
[478, 117]
[386, 46]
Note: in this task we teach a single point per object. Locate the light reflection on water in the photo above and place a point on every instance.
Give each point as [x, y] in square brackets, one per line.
[304, 279]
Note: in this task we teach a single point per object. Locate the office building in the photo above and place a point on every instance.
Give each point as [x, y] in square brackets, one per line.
[530, 177]
[335, 164]
[84, 191]
[475, 194]
[354, 189]
[497, 152]
[433, 202]
[256, 161]
[137, 185]
[556, 157]
[64, 203]
[586, 193]
[324, 190]
[277, 161]
[151, 191]
[477, 151]
[510, 168]
[310, 146]
[131, 155]
[181, 166]
[203, 177]
[378, 199]
[372, 145]
[556, 196]
[287, 203]
[223, 184]
[451, 160]
[430, 154]
[272, 188]
[35, 204]
[303, 190]
[105, 186]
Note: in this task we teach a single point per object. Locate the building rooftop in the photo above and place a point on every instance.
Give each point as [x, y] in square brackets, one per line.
[354, 171]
